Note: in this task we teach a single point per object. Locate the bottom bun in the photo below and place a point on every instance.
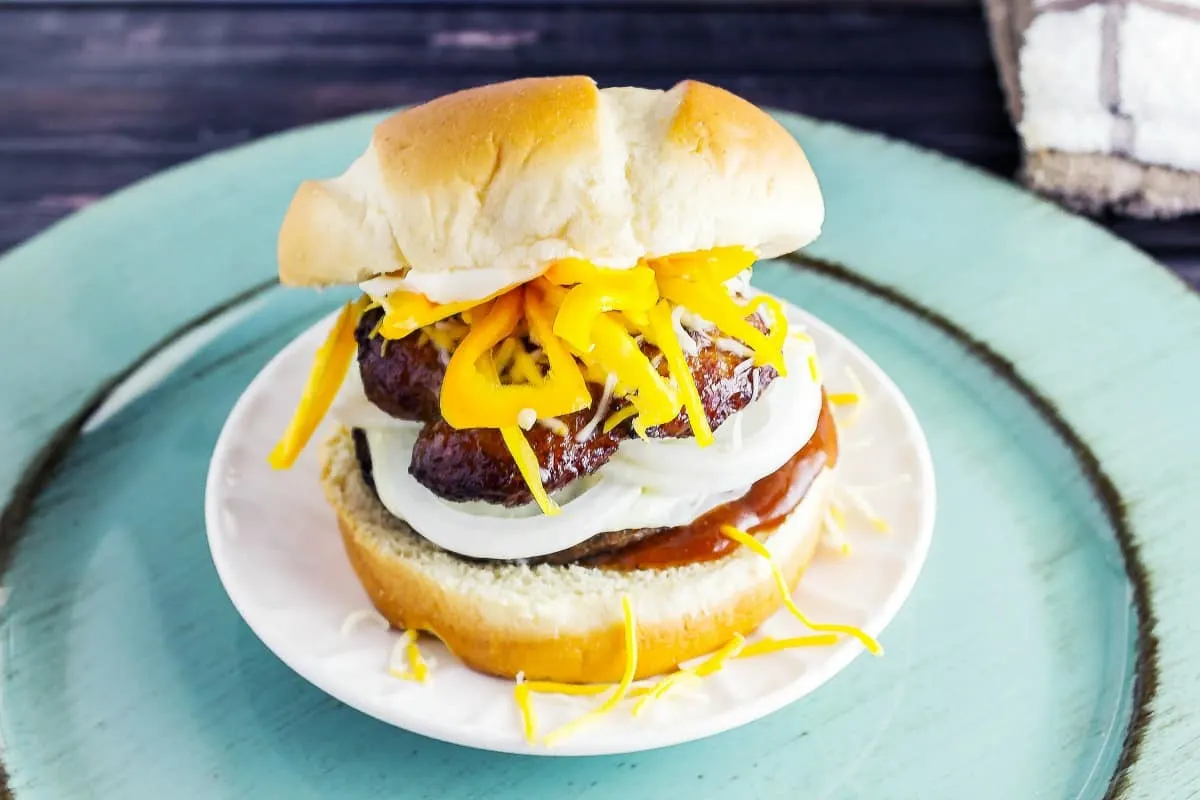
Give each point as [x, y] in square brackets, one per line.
[560, 623]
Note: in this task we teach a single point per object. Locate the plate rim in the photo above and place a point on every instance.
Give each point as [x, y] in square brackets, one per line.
[1146, 756]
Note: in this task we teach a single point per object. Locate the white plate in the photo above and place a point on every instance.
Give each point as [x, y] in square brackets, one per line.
[276, 547]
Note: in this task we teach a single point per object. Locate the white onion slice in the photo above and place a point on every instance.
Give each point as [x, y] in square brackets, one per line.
[773, 429]
[487, 537]
[590, 506]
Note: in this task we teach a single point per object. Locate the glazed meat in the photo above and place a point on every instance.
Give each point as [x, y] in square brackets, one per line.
[602, 544]
[404, 380]
[726, 383]
[474, 464]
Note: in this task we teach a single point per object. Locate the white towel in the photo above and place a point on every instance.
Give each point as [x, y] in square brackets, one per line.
[1106, 97]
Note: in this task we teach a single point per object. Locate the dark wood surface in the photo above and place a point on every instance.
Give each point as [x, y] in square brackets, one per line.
[94, 97]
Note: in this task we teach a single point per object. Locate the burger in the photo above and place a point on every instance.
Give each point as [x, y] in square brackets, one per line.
[557, 399]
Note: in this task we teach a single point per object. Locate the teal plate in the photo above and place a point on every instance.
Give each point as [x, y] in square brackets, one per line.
[1047, 650]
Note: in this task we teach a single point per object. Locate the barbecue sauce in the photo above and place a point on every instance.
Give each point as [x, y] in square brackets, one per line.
[764, 507]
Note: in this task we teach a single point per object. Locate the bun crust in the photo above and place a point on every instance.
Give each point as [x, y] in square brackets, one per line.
[559, 623]
[503, 179]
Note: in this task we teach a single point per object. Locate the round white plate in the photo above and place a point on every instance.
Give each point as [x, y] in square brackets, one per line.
[278, 552]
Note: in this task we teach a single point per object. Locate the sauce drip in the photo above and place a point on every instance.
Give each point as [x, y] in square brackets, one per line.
[764, 507]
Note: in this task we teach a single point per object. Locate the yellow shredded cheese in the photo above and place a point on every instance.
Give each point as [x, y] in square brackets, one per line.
[410, 311]
[748, 541]
[713, 303]
[668, 343]
[712, 664]
[771, 645]
[554, 687]
[503, 357]
[525, 707]
[416, 663]
[842, 398]
[622, 687]
[813, 369]
[324, 380]
[839, 518]
[618, 416]
[375, 331]
[616, 350]
[417, 670]
[441, 338]
[529, 467]
[715, 266]
[632, 290]
[524, 367]
[860, 402]
[588, 322]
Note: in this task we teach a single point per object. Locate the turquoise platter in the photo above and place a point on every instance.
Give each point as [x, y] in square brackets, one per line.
[1045, 652]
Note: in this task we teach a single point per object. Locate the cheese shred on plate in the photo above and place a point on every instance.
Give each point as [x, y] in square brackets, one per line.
[737, 647]
[523, 688]
[712, 664]
[407, 649]
[746, 540]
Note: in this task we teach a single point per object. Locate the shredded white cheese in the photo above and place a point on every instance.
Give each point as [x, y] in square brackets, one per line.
[554, 425]
[356, 618]
[685, 341]
[610, 385]
[727, 345]
[526, 417]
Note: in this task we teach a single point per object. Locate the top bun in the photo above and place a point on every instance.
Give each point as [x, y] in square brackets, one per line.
[481, 189]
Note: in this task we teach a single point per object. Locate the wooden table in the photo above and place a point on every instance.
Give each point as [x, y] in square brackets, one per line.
[94, 97]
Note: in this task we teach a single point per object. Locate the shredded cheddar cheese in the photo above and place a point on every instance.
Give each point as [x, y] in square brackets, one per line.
[410, 311]
[416, 663]
[712, 664]
[554, 687]
[617, 417]
[839, 518]
[601, 290]
[668, 343]
[324, 380]
[528, 353]
[748, 541]
[528, 465]
[525, 707]
[621, 689]
[771, 645]
[407, 648]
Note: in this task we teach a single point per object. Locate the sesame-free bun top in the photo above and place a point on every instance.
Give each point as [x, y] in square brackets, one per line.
[482, 189]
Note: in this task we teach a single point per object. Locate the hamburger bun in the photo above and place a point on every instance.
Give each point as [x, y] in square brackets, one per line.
[552, 622]
[501, 180]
